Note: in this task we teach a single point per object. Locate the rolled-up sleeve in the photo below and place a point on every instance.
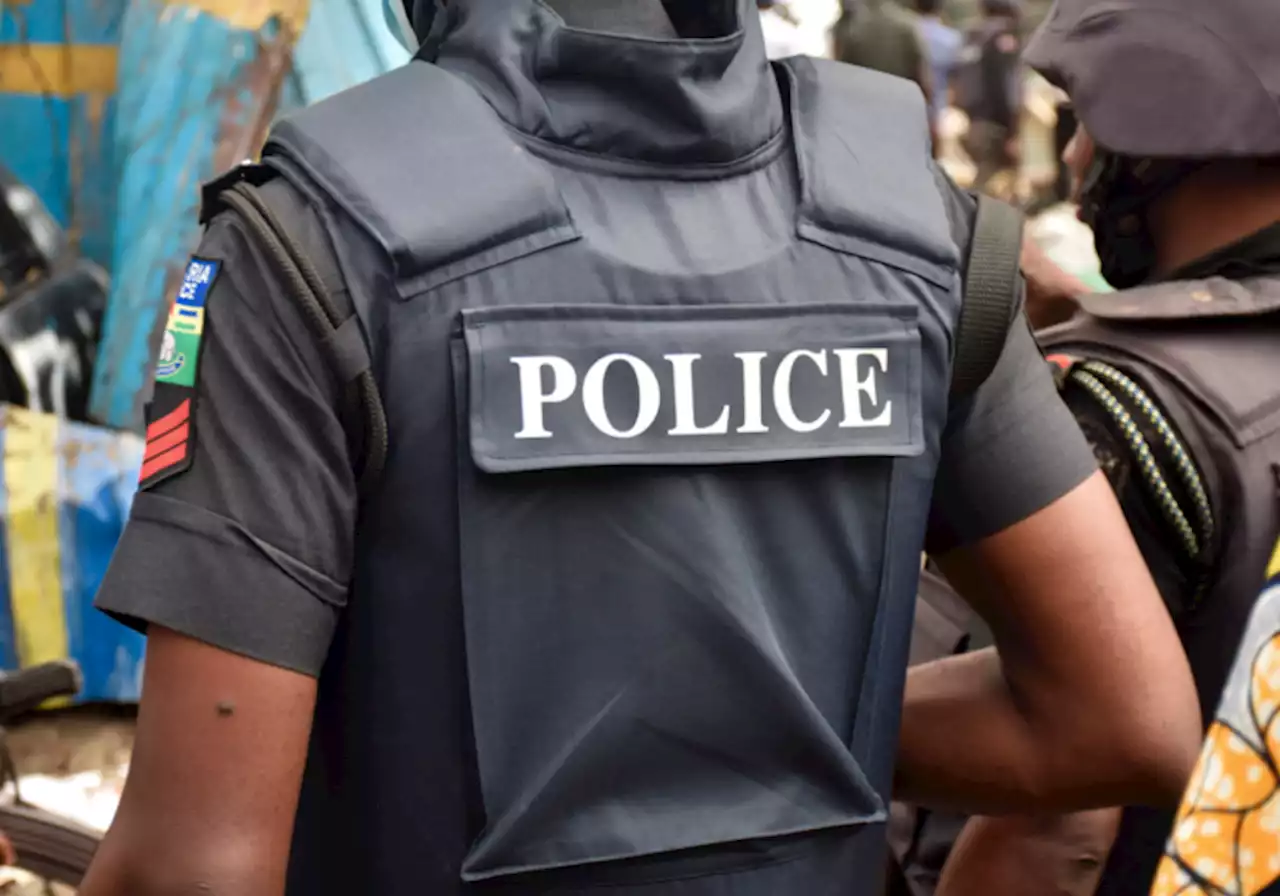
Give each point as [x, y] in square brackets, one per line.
[1013, 447]
[1008, 452]
[250, 548]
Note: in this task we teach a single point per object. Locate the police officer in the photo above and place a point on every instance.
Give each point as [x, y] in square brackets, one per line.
[988, 88]
[661, 337]
[1175, 380]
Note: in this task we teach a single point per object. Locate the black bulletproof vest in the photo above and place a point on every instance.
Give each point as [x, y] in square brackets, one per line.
[663, 335]
[1207, 351]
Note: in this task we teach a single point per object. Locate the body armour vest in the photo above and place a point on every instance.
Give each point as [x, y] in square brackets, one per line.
[1206, 351]
[663, 335]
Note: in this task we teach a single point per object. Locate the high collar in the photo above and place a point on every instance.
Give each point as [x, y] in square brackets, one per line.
[1255, 255]
[704, 101]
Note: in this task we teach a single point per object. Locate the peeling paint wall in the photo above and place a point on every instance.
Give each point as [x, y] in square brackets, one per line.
[65, 493]
[58, 63]
[200, 81]
[197, 92]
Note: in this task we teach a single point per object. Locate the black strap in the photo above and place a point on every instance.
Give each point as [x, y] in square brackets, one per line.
[310, 270]
[347, 348]
[991, 292]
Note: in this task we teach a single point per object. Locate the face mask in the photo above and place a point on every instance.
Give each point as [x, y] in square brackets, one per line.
[1124, 249]
[1117, 193]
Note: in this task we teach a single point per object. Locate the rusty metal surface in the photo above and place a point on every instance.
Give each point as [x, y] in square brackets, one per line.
[57, 105]
[346, 42]
[200, 82]
[196, 96]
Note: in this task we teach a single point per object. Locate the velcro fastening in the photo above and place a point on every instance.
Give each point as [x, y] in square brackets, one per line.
[347, 347]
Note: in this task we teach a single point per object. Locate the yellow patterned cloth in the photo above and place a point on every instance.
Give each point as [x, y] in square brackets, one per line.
[1226, 839]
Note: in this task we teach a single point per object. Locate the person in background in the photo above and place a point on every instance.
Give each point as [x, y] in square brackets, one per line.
[1175, 379]
[988, 88]
[1052, 293]
[942, 45]
[783, 34]
[882, 35]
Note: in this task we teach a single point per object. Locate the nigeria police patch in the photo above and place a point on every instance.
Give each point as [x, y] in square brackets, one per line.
[171, 413]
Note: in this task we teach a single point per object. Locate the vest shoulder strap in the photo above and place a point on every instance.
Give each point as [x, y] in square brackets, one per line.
[992, 288]
[858, 131]
[448, 180]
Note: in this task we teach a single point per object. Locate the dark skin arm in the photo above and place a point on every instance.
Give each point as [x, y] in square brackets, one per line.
[213, 786]
[1058, 855]
[1089, 702]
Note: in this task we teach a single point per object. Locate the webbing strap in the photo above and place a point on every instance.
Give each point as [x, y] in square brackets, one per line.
[991, 291]
[347, 348]
[336, 327]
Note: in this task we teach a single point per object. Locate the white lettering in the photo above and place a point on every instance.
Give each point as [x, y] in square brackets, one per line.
[593, 396]
[782, 391]
[854, 389]
[752, 415]
[532, 399]
[686, 409]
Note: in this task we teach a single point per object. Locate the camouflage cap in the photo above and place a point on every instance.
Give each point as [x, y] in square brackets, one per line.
[1183, 79]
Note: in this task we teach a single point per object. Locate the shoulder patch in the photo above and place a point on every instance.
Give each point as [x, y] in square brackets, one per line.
[171, 413]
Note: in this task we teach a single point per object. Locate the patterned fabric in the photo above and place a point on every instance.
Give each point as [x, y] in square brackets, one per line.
[1226, 839]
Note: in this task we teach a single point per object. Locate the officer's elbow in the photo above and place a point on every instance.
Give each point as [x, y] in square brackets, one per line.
[129, 863]
[1159, 753]
[1139, 751]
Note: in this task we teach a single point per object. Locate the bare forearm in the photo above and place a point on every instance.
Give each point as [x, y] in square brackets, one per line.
[123, 871]
[1063, 855]
[971, 742]
[965, 744]
[1090, 702]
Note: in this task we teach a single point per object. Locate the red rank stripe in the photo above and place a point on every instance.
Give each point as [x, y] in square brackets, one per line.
[162, 462]
[171, 439]
[174, 418]
[167, 440]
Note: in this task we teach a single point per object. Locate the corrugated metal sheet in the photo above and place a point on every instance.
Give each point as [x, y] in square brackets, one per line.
[199, 81]
[345, 43]
[176, 91]
[196, 95]
[57, 84]
[66, 492]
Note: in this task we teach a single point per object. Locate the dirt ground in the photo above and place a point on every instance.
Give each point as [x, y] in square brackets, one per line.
[68, 742]
[73, 762]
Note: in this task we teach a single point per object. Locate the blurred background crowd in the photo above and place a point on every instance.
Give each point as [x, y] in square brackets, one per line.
[998, 126]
